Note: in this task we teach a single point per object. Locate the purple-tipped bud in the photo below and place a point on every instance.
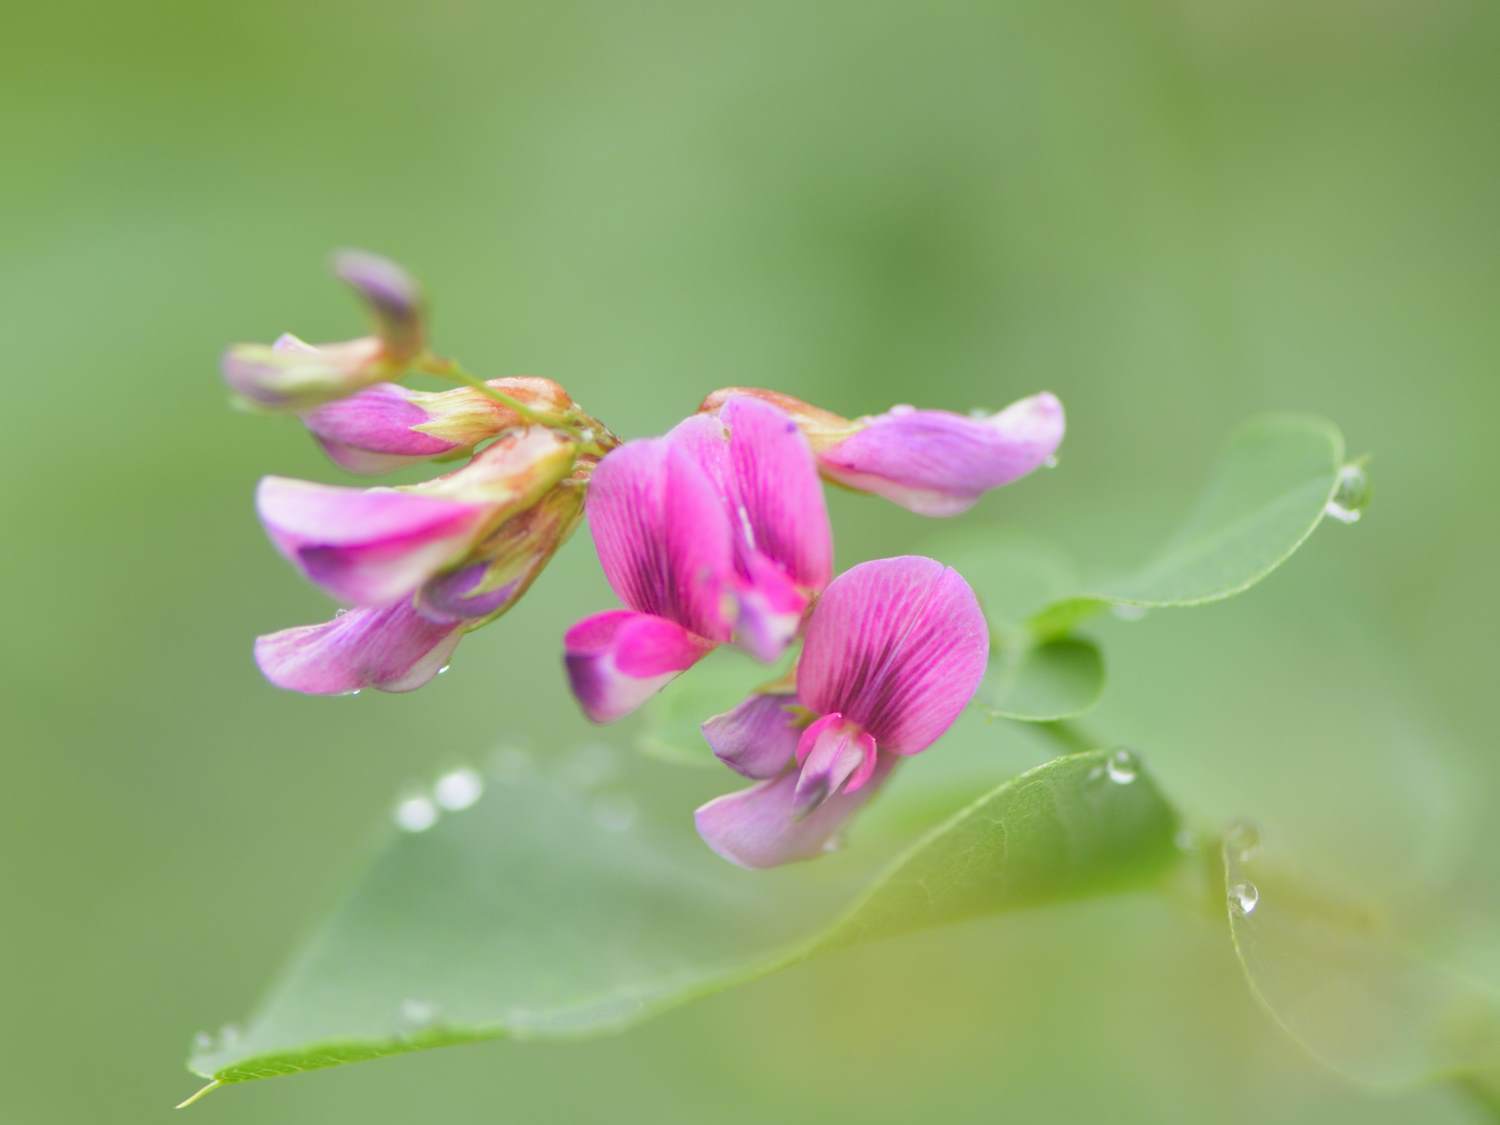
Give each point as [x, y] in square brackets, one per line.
[387, 426]
[294, 375]
[393, 297]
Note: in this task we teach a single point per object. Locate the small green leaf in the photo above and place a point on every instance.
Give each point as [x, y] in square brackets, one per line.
[1350, 982]
[1057, 679]
[545, 911]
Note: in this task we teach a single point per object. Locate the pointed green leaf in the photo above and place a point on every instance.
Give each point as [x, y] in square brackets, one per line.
[550, 910]
[1057, 679]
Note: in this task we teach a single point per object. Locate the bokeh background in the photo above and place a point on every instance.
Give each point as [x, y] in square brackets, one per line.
[1173, 214]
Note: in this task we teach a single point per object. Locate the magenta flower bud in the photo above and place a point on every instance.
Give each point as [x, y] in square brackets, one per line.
[293, 375]
[390, 648]
[392, 296]
[891, 656]
[373, 546]
[932, 462]
[387, 426]
[716, 533]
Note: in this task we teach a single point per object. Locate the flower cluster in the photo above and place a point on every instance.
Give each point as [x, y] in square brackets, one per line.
[714, 534]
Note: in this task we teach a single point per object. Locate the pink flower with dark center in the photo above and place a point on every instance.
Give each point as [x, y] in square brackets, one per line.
[387, 426]
[892, 654]
[715, 533]
[932, 462]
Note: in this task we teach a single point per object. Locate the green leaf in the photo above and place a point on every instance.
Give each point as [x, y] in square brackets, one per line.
[1054, 680]
[1350, 981]
[549, 910]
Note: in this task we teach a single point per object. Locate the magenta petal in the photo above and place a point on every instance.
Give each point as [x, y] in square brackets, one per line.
[759, 827]
[366, 546]
[938, 464]
[777, 489]
[769, 609]
[757, 738]
[898, 646]
[392, 648]
[374, 431]
[662, 534]
[833, 756]
[619, 659]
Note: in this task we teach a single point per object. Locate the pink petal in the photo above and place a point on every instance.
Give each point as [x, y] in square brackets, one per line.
[392, 648]
[757, 738]
[374, 431]
[663, 535]
[293, 375]
[760, 826]
[391, 294]
[898, 646]
[366, 546]
[768, 609]
[835, 756]
[938, 464]
[619, 659]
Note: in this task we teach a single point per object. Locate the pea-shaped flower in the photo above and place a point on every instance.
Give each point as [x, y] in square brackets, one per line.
[892, 654]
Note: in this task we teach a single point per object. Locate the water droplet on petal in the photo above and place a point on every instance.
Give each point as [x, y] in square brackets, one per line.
[1128, 612]
[458, 789]
[1122, 767]
[1052, 462]
[1242, 840]
[444, 669]
[615, 813]
[1350, 495]
[1243, 899]
[903, 408]
[356, 691]
[416, 813]
[340, 612]
[980, 414]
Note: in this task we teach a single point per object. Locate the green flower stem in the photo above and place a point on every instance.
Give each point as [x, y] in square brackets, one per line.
[593, 436]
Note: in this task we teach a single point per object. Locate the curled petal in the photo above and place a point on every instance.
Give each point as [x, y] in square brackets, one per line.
[757, 738]
[938, 464]
[388, 426]
[367, 547]
[293, 375]
[392, 295]
[662, 535]
[761, 827]
[619, 659]
[835, 756]
[392, 648]
[898, 646]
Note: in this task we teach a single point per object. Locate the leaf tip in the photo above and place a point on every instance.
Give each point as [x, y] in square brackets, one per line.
[203, 1093]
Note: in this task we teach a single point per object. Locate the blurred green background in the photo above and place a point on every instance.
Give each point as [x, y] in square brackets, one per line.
[1172, 214]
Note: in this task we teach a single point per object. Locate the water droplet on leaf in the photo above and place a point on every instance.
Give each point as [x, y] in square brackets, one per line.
[1122, 767]
[458, 789]
[1052, 462]
[1243, 899]
[1350, 495]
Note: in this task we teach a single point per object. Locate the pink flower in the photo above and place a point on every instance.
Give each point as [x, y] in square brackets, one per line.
[716, 532]
[293, 375]
[372, 546]
[387, 426]
[931, 462]
[892, 654]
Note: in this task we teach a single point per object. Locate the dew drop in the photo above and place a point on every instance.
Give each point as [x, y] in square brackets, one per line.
[340, 612]
[444, 669]
[458, 789]
[1122, 767]
[1350, 495]
[1242, 840]
[615, 813]
[903, 408]
[418, 1015]
[1128, 612]
[356, 691]
[980, 414]
[1243, 899]
[416, 813]
[1052, 462]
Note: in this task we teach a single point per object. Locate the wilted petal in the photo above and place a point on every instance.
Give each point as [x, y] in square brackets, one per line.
[938, 464]
[619, 659]
[662, 535]
[392, 648]
[293, 375]
[392, 295]
[757, 738]
[366, 546]
[760, 826]
[898, 646]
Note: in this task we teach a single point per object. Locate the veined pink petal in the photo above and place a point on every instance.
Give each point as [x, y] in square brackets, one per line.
[835, 756]
[366, 546]
[938, 464]
[760, 826]
[757, 738]
[662, 535]
[617, 660]
[392, 648]
[898, 646]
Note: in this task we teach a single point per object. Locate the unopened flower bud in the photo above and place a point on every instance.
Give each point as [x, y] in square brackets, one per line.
[393, 296]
